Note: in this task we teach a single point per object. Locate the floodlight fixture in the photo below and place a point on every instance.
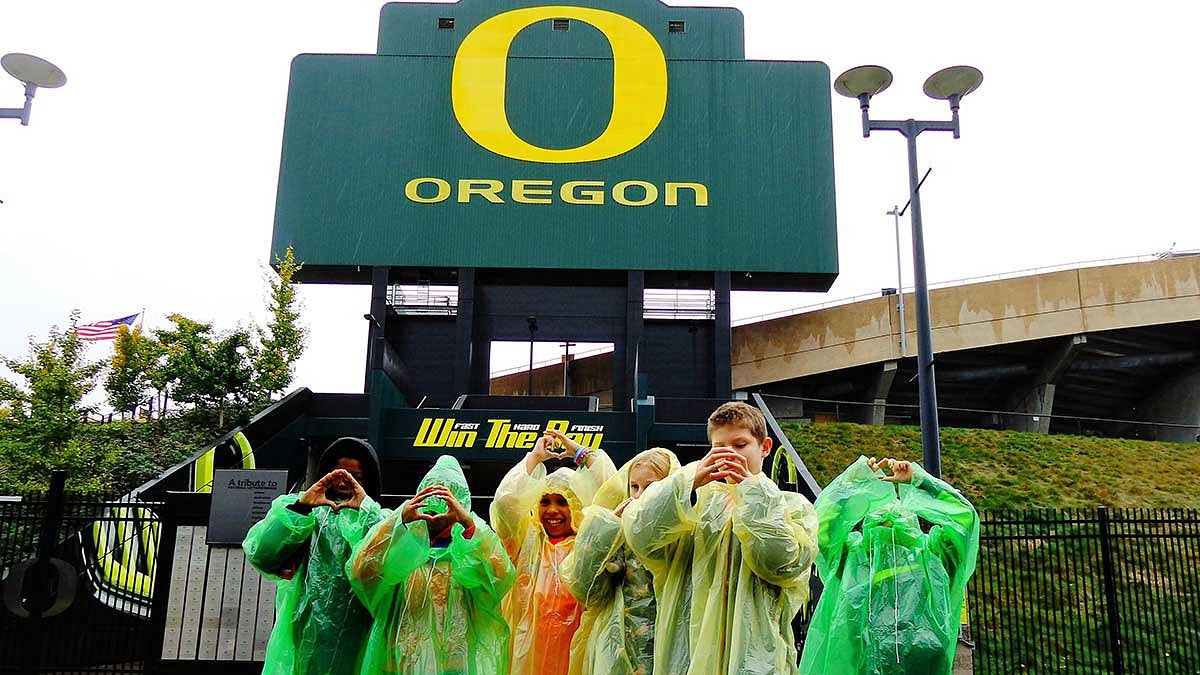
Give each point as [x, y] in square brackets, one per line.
[33, 72]
[30, 69]
[953, 83]
[868, 80]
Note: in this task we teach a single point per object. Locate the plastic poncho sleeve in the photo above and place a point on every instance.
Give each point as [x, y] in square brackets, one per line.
[384, 560]
[480, 564]
[279, 537]
[957, 540]
[660, 518]
[589, 479]
[842, 506]
[353, 524]
[777, 531]
[517, 494]
[598, 541]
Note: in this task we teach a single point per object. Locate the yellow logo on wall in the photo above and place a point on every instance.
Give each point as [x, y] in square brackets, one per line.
[479, 85]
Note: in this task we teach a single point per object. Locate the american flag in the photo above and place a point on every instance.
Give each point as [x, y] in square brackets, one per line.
[103, 330]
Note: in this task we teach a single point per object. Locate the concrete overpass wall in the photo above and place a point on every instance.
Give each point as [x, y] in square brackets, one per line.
[1041, 306]
[589, 376]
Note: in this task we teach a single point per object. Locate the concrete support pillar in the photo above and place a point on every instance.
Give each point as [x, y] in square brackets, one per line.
[1036, 398]
[877, 393]
[1176, 403]
[1037, 404]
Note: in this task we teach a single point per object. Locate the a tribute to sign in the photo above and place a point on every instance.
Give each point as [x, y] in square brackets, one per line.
[240, 498]
[613, 135]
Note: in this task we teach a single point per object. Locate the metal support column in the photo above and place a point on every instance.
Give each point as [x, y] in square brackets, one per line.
[722, 338]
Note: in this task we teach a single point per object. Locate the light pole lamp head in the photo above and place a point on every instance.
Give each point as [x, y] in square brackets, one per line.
[33, 73]
[863, 82]
[953, 83]
[31, 70]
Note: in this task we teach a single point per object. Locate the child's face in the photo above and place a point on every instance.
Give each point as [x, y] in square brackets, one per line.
[640, 478]
[355, 469]
[743, 443]
[554, 511]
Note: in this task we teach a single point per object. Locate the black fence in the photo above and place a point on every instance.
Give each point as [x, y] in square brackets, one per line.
[76, 579]
[1088, 591]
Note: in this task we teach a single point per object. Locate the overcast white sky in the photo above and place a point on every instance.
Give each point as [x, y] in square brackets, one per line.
[149, 180]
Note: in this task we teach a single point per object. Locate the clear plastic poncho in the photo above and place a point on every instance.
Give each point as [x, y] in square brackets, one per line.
[540, 610]
[616, 634]
[730, 572]
[436, 608]
[893, 591]
[320, 627]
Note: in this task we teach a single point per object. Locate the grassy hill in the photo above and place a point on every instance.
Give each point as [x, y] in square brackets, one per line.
[1011, 470]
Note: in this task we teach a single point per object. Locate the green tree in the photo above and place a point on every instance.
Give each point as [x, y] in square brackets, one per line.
[128, 381]
[212, 372]
[45, 407]
[283, 339]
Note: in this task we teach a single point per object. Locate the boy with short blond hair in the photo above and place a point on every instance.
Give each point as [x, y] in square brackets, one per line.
[731, 555]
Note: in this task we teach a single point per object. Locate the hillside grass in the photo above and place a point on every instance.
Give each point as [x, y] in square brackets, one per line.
[1014, 470]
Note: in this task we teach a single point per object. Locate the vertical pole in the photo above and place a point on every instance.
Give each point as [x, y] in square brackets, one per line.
[930, 443]
[566, 362]
[722, 337]
[532, 321]
[375, 333]
[464, 332]
[1110, 593]
[625, 356]
[900, 286]
[37, 592]
[529, 385]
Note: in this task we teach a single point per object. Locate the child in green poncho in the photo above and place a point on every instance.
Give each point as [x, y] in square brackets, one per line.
[893, 589]
[303, 543]
[433, 574]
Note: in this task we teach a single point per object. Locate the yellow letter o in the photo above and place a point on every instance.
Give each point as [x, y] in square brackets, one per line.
[479, 84]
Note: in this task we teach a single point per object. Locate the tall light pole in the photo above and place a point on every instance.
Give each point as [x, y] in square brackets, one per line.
[33, 73]
[900, 285]
[949, 84]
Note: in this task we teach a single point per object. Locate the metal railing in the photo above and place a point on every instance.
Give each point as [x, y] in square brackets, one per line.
[685, 303]
[1087, 591]
[423, 299]
[811, 409]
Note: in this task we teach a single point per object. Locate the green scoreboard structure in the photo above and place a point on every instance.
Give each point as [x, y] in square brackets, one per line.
[606, 171]
[509, 170]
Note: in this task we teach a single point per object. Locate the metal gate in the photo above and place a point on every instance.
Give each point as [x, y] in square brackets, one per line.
[76, 582]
